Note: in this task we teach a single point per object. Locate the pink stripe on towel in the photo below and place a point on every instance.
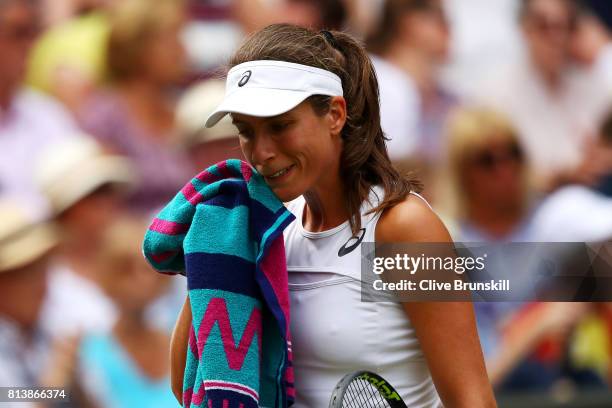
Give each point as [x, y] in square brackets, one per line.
[168, 227]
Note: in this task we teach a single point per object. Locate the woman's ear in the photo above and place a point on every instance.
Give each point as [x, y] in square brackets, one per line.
[337, 114]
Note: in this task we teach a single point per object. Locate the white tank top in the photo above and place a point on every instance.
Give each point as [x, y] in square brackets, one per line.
[333, 331]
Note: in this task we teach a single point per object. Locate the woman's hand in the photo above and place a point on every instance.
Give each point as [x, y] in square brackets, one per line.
[446, 330]
[178, 350]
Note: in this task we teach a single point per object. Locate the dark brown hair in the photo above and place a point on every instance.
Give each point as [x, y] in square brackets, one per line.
[364, 160]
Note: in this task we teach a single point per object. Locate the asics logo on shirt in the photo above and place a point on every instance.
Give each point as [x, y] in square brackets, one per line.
[354, 242]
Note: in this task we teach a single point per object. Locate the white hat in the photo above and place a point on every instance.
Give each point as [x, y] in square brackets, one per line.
[22, 239]
[198, 102]
[269, 88]
[70, 171]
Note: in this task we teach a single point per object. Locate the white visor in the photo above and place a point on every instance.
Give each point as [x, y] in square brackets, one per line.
[270, 88]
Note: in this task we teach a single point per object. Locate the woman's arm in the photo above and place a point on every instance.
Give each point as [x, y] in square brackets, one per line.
[178, 350]
[446, 330]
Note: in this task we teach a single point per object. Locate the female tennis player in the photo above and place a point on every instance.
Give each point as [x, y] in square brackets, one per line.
[306, 107]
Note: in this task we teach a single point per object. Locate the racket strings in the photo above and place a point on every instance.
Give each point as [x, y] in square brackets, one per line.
[361, 394]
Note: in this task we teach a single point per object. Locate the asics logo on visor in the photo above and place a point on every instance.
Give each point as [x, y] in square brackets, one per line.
[245, 78]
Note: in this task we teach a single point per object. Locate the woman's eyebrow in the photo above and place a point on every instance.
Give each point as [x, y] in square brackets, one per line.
[282, 116]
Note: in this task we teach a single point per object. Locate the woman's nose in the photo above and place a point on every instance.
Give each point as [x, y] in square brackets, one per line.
[264, 149]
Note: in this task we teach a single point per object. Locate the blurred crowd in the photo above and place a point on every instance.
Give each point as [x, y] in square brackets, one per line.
[502, 108]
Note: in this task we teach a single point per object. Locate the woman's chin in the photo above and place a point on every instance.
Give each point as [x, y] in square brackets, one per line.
[285, 195]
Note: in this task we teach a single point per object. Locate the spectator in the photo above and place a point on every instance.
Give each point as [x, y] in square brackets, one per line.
[253, 15]
[24, 254]
[58, 11]
[585, 212]
[69, 59]
[85, 187]
[223, 23]
[554, 106]
[29, 121]
[127, 366]
[206, 146]
[28, 355]
[485, 35]
[411, 43]
[591, 43]
[134, 116]
[491, 200]
[362, 16]
[487, 181]
[605, 142]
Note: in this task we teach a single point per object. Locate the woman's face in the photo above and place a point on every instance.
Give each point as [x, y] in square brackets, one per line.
[295, 151]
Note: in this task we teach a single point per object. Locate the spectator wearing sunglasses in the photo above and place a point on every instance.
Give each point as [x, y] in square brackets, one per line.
[491, 200]
[554, 104]
[487, 187]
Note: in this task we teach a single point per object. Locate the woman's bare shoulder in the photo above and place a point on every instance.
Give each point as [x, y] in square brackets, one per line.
[411, 220]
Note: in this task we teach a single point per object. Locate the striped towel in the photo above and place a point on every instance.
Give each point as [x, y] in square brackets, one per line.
[223, 230]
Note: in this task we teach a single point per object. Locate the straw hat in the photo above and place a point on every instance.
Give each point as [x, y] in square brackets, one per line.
[68, 172]
[22, 239]
[198, 102]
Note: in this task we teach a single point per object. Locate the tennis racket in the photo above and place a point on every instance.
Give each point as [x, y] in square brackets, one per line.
[364, 389]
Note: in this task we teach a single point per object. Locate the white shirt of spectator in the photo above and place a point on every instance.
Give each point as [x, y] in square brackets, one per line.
[75, 305]
[574, 214]
[553, 127]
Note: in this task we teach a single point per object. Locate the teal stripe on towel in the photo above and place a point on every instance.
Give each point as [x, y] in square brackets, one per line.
[179, 210]
[222, 233]
[264, 194]
[271, 230]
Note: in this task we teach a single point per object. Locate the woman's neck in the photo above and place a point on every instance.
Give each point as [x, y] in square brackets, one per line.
[325, 208]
